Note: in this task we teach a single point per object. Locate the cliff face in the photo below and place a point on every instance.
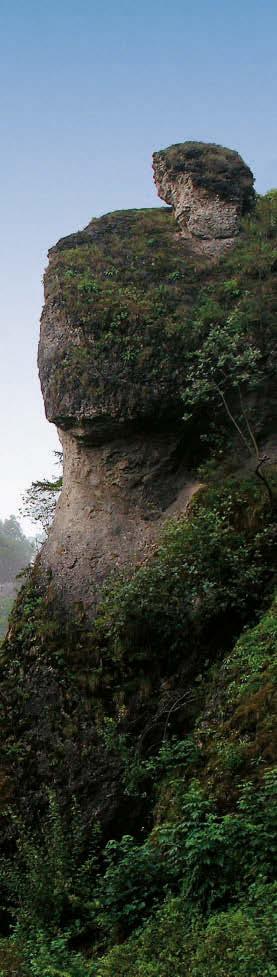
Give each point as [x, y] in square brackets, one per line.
[111, 361]
[113, 348]
[136, 773]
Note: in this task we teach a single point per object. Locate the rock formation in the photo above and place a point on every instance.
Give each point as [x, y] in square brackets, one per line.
[137, 745]
[209, 188]
[112, 354]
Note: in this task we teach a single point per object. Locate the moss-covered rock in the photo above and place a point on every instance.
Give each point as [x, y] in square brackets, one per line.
[115, 326]
[211, 167]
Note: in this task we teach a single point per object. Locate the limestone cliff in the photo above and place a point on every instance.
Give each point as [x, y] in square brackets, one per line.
[115, 333]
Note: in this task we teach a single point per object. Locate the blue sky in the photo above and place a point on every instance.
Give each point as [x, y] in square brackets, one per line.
[87, 91]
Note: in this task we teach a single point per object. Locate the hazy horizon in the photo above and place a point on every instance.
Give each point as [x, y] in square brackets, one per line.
[87, 94]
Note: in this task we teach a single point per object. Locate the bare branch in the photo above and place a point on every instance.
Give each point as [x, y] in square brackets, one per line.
[250, 432]
[263, 478]
[233, 419]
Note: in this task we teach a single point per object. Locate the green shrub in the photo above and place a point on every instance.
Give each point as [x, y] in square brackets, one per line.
[49, 881]
[46, 957]
[240, 942]
[211, 567]
[133, 879]
[211, 857]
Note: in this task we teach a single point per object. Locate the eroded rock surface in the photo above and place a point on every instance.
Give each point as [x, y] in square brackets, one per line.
[209, 188]
[115, 335]
[114, 501]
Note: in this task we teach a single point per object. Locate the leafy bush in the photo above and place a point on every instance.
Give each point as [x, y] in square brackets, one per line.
[49, 881]
[133, 879]
[236, 943]
[46, 957]
[212, 858]
[210, 567]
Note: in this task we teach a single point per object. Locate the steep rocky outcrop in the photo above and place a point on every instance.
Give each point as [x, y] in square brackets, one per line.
[112, 360]
[209, 188]
[137, 743]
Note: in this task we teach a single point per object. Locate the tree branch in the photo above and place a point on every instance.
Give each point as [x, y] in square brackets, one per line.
[233, 419]
[250, 432]
[263, 478]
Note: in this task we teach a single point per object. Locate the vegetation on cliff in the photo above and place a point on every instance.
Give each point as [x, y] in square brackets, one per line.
[137, 782]
[126, 291]
[140, 309]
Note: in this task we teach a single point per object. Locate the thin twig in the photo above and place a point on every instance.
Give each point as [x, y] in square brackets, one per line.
[250, 432]
[176, 706]
[233, 419]
[263, 478]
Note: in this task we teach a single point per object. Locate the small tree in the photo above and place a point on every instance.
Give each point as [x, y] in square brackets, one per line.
[40, 500]
[227, 369]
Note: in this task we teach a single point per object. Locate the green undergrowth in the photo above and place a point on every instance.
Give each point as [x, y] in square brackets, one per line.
[206, 577]
[196, 894]
[216, 819]
[165, 623]
[236, 943]
[181, 756]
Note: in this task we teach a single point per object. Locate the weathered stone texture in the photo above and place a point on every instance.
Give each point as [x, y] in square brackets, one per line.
[112, 355]
[115, 498]
[208, 206]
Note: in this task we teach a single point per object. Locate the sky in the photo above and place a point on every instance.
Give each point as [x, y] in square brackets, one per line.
[88, 90]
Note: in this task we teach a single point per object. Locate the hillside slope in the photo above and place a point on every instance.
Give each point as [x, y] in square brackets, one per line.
[139, 701]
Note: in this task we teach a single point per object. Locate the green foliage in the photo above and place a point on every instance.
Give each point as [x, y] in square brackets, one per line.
[233, 350]
[211, 857]
[41, 956]
[236, 943]
[49, 880]
[39, 501]
[239, 734]
[212, 564]
[134, 877]
[227, 376]
[241, 941]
